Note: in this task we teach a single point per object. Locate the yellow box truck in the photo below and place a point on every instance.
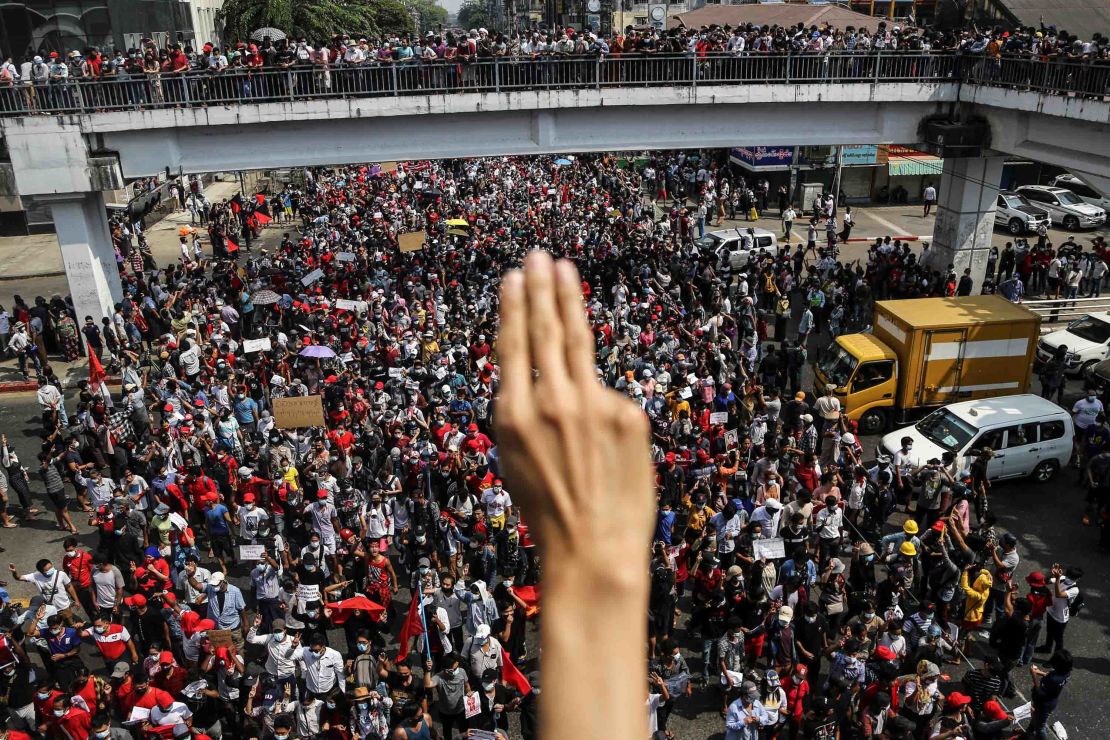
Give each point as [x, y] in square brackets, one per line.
[926, 352]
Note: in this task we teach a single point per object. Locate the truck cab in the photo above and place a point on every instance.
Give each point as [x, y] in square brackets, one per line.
[865, 373]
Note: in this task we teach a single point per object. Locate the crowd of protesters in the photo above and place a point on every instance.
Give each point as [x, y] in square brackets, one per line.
[368, 574]
[178, 74]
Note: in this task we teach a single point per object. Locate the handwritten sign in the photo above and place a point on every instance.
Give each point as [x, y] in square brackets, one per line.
[769, 549]
[1024, 712]
[256, 345]
[294, 413]
[345, 305]
[307, 592]
[345, 256]
[312, 277]
[138, 714]
[251, 552]
[178, 522]
[396, 372]
[220, 638]
[685, 393]
[718, 417]
[413, 241]
[472, 704]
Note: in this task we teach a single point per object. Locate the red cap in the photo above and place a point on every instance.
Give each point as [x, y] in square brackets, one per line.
[956, 699]
[321, 493]
[938, 525]
[136, 600]
[670, 457]
[1036, 579]
[168, 407]
[884, 653]
[472, 428]
[379, 385]
[331, 379]
[205, 624]
[993, 711]
[496, 481]
[248, 498]
[165, 657]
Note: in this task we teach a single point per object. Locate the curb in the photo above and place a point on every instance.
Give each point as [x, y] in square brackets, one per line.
[24, 386]
[900, 237]
[32, 275]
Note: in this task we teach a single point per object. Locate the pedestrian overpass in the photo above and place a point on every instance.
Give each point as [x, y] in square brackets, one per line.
[70, 143]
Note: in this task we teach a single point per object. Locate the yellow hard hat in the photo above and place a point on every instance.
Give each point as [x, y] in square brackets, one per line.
[910, 527]
[908, 549]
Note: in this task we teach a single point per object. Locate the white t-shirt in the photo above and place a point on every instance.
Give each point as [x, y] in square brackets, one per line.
[1060, 609]
[653, 702]
[52, 587]
[1085, 410]
[930, 193]
[496, 503]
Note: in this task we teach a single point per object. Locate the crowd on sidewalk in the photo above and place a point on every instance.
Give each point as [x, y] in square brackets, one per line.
[304, 525]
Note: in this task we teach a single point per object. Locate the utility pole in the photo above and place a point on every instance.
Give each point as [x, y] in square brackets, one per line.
[836, 177]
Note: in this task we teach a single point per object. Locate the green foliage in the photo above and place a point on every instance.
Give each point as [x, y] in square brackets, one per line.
[475, 14]
[316, 20]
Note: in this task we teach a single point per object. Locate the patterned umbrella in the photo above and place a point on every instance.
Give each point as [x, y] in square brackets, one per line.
[318, 351]
[265, 298]
[276, 34]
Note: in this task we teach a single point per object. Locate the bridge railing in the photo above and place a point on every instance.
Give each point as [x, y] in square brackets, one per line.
[198, 89]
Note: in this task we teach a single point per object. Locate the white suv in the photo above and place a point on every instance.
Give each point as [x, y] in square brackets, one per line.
[1065, 207]
[1086, 193]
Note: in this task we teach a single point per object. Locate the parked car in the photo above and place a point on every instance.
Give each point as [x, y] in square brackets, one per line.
[1097, 376]
[1065, 207]
[1085, 192]
[1087, 339]
[1030, 436]
[1018, 215]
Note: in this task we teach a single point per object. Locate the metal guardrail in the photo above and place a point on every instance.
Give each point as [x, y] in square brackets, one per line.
[504, 74]
[195, 89]
[1064, 310]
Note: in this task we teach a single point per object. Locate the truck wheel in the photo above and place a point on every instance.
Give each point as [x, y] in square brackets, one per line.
[1071, 223]
[872, 422]
[1045, 470]
[1016, 226]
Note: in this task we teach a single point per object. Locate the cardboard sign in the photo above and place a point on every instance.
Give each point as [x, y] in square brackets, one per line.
[293, 413]
[472, 704]
[345, 256]
[345, 305]
[396, 372]
[770, 549]
[251, 552]
[256, 345]
[312, 277]
[387, 167]
[308, 592]
[718, 417]
[220, 638]
[413, 241]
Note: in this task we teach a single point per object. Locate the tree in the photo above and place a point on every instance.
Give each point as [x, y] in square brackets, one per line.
[475, 14]
[316, 20]
[431, 14]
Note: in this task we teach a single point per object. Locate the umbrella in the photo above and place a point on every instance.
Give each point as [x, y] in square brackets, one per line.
[265, 298]
[341, 610]
[318, 351]
[275, 34]
[458, 222]
[562, 162]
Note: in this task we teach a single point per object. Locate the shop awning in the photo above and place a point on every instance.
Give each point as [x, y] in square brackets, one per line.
[927, 165]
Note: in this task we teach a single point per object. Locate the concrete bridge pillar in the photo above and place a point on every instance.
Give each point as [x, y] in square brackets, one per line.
[966, 198]
[81, 222]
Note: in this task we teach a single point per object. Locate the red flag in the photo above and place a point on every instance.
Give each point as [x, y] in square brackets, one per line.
[259, 198]
[232, 247]
[262, 218]
[530, 595]
[235, 207]
[342, 610]
[411, 628]
[96, 370]
[511, 675]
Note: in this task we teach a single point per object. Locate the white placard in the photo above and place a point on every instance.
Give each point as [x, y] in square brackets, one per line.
[685, 393]
[345, 256]
[139, 714]
[256, 345]
[770, 548]
[178, 522]
[1024, 712]
[718, 417]
[396, 372]
[691, 378]
[472, 704]
[307, 592]
[251, 552]
[418, 185]
[312, 277]
[441, 372]
[481, 362]
[346, 305]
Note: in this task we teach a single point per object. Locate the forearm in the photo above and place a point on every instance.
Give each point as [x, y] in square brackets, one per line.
[582, 632]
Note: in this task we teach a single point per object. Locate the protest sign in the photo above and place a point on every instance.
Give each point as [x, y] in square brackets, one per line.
[344, 305]
[345, 256]
[307, 592]
[251, 552]
[303, 411]
[396, 372]
[472, 704]
[312, 277]
[138, 714]
[220, 638]
[770, 549]
[178, 522]
[256, 345]
[718, 417]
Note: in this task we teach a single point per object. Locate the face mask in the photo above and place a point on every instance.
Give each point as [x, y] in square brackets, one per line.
[100, 630]
[43, 697]
[59, 712]
[102, 735]
[281, 737]
[71, 553]
[507, 584]
[329, 704]
[249, 507]
[421, 539]
[57, 631]
[489, 686]
[318, 653]
[811, 620]
[311, 614]
[868, 616]
[908, 448]
[423, 570]
[279, 635]
[310, 568]
[314, 544]
[49, 572]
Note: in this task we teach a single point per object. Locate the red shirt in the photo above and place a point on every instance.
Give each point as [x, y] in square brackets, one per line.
[79, 568]
[43, 707]
[88, 693]
[113, 643]
[200, 487]
[74, 724]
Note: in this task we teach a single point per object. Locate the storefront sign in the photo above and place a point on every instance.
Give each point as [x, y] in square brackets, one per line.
[762, 157]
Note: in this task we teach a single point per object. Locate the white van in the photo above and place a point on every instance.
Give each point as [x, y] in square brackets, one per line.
[1030, 436]
[726, 242]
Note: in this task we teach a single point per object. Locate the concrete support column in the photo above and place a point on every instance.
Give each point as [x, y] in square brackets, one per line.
[966, 198]
[81, 222]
